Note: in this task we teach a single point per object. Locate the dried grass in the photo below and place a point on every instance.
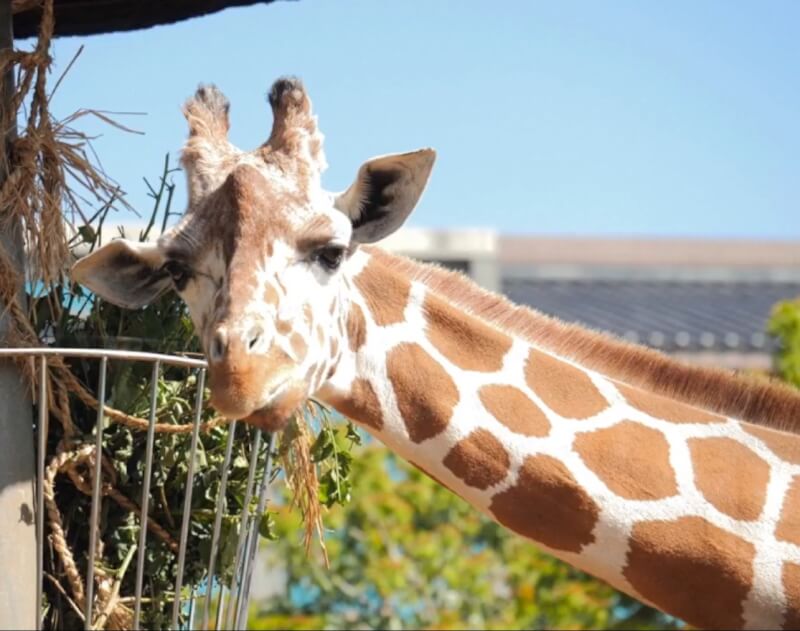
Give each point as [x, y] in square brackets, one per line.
[52, 175]
[301, 477]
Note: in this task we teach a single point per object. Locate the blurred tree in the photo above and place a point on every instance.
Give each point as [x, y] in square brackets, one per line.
[784, 323]
[408, 553]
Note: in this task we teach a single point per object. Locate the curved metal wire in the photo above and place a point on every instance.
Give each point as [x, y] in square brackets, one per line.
[99, 353]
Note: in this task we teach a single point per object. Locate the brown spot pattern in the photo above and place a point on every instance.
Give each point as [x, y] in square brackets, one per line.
[790, 576]
[299, 346]
[782, 444]
[283, 327]
[548, 505]
[631, 459]
[480, 460]
[466, 341]
[361, 404]
[270, 295]
[426, 394]
[565, 389]
[356, 328]
[664, 408]
[788, 528]
[385, 293]
[515, 410]
[730, 476]
[691, 569]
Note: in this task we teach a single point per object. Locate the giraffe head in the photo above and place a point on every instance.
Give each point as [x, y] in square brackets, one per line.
[261, 255]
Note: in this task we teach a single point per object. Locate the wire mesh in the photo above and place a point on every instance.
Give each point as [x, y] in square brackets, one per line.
[231, 603]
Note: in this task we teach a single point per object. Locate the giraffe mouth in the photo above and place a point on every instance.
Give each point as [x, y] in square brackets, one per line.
[278, 390]
[284, 401]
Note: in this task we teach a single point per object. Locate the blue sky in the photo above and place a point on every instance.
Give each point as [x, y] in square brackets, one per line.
[583, 118]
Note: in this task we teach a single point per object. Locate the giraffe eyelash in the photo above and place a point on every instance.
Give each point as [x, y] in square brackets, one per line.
[329, 257]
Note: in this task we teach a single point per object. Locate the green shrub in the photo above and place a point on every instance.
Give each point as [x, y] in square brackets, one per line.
[784, 323]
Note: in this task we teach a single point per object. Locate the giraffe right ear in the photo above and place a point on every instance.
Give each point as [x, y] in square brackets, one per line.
[384, 193]
[126, 273]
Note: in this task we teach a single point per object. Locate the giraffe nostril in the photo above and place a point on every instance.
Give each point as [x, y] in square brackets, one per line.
[254, 336]
[219, 345]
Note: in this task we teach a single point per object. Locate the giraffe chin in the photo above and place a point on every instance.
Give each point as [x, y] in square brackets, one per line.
[274, 416]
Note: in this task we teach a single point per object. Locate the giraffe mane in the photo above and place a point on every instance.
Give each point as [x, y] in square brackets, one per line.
[752, 399]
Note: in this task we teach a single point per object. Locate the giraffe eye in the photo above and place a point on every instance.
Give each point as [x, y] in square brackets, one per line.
[179, 272]
[330, 257]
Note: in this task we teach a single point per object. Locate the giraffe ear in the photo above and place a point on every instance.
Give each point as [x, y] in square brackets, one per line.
[384, 193]
[126, 273]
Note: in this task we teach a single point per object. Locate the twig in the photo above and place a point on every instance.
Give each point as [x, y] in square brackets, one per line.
[64, 593]
[165, 504]
[113, 598]
[64, 74]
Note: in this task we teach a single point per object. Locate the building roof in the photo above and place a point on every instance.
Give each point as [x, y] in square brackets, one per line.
[91, 17]
[705, 300]
[679, 315]
[649, 252]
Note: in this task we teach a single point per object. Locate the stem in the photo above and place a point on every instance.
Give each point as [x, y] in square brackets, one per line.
[167, 206]
[120, 573]
[157, 196]
[165, 503]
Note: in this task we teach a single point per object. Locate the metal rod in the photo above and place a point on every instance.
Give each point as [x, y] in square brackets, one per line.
[148, 469]
[244, 592]
[192, 608]
[94, 526]
[187, 501]
[220, 599]
[43, 422]
[243, 529]
[99, 353]
[221, 507]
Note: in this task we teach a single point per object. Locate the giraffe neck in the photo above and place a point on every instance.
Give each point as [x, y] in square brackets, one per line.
[688, 510]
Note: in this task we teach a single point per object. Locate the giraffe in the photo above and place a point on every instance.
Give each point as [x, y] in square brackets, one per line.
[678, 485]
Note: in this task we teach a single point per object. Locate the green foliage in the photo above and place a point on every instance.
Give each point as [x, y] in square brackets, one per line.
[407, 553]
[784, 323]
[334, 446]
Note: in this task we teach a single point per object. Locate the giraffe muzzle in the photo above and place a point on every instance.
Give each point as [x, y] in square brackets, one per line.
[276, 415]
[262, 390]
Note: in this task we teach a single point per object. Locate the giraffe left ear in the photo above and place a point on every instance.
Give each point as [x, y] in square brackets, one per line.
[385, 192]
[126, 273]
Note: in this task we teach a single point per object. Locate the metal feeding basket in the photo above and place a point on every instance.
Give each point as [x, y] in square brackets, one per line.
[206, 601]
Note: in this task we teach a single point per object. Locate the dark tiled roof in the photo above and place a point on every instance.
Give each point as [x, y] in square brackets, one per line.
[670, 315]
[89, 17]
